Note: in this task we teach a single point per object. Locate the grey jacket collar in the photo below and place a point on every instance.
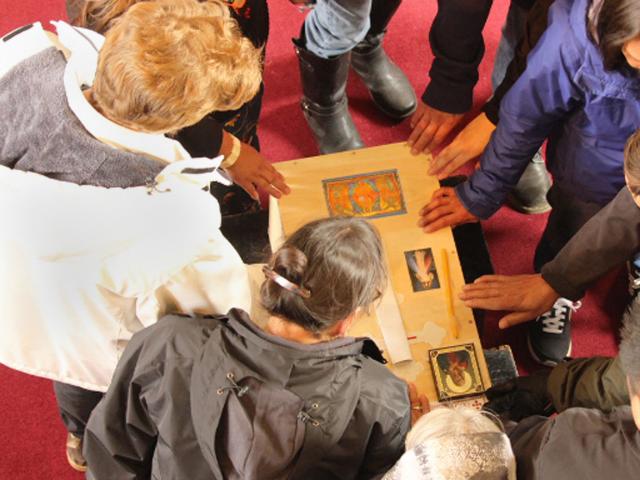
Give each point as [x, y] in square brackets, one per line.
[242, 324]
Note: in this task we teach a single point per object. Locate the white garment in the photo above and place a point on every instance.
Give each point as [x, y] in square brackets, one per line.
[83, 268]
[81, 48]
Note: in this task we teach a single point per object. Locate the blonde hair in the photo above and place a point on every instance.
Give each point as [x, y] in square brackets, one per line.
[444, 421]
[166, 64]
[98, 14]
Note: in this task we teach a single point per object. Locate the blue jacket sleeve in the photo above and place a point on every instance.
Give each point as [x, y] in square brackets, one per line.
[541, 99]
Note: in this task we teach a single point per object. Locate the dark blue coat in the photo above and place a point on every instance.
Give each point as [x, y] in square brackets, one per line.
[567, 96]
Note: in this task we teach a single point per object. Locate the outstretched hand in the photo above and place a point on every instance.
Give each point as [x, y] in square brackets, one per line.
[429, 128]
[526, 296]
[419, 404]
[444, 209]
[468, 144]
[252, 172]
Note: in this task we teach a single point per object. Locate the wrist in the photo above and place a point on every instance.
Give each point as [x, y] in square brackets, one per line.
[555, 278]
[231, 152]
[442, 95]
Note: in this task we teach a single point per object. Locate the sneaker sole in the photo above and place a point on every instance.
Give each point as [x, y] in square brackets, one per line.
[546, 363]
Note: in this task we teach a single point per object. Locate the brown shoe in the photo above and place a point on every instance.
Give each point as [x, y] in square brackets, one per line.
[74, 453]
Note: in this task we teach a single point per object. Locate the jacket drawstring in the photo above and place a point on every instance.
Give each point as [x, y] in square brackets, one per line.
[304, 417]
[240, 391]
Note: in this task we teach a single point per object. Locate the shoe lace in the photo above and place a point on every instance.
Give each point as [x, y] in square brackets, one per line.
[555, 320]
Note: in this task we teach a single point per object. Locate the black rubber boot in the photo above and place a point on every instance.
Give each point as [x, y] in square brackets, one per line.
[324, 101]
[530, 194]
[389, 87]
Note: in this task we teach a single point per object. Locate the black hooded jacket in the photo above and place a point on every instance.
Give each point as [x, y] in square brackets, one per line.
[219, 398]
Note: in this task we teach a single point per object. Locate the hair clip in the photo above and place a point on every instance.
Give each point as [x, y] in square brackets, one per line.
[284, 283]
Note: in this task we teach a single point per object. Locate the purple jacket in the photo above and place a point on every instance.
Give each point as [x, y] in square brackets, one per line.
[566, 96]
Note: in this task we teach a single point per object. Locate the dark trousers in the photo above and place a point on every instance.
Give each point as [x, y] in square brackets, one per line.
[75, 405]
[567, 216]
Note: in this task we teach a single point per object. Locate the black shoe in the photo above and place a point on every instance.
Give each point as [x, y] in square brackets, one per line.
[549, 337]
[324, 101]
[530, 194]
[389, 87]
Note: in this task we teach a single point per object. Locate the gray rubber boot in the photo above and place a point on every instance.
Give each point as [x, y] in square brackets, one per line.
[324, 101]
[530, 194]
[389, 87]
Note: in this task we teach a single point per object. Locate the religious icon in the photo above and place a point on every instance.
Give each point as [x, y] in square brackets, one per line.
[422, 269]
[369, 195]
[455, 371]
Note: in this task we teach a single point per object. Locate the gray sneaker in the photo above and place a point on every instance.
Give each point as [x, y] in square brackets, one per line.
[549, 337]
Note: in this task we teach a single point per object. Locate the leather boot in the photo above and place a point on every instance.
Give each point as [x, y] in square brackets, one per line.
[389, 87]
[324, 101]
[530, 194]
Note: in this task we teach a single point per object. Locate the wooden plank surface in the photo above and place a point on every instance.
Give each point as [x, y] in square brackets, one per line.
[424, 313]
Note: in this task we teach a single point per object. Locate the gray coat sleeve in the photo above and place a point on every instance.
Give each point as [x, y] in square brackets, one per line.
[121, 437]
[528, 439]
[577, 444]
[385, 448]
[606, 241]
[386, 438]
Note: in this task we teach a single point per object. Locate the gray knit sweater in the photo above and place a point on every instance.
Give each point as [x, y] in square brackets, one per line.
[39, 133]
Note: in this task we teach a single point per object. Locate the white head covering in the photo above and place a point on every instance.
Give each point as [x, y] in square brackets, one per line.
[469, 456]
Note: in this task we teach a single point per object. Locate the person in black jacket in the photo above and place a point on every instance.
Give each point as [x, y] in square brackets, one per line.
[221, 398]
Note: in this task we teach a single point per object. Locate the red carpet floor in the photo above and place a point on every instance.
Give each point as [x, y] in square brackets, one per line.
[31, 435]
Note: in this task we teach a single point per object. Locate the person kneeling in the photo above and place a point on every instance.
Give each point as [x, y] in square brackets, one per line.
[221, 398]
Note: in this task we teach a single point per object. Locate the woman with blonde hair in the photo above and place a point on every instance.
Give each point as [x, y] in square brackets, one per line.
[231, 132]
[95, 111]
